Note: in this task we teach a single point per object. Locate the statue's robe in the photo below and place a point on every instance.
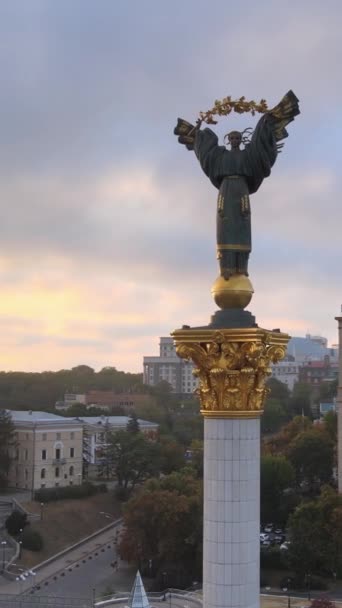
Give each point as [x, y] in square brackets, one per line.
[236, 174]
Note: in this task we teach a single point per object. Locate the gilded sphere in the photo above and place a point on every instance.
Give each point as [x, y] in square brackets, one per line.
[235, 292]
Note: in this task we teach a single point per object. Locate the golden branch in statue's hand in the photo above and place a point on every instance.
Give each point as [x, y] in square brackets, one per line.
[228, 105]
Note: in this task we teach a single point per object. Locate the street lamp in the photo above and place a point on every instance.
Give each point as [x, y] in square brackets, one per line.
[308, 585]
[288, 593]
[41, 511]
[4, 543]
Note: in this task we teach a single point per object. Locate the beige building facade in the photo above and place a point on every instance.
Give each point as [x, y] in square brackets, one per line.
[48, 451]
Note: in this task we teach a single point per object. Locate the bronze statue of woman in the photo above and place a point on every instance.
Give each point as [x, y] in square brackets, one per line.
[237, 173]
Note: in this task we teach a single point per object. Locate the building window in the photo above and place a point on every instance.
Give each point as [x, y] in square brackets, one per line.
[26, 436]
[42, 485]
[26, 474]
[72, 452]
[44, 437]
[71, 471]
[57, 472]
[43, 454]
[42, 474]
[26, 454]
[58, 435]
[72, 435]
[58, 453]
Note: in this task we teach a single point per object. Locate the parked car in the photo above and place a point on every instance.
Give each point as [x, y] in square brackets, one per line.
[285, 545]
[268, 528]
[263, 536]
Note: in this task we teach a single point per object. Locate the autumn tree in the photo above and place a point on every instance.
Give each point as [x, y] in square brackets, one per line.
[163, 527]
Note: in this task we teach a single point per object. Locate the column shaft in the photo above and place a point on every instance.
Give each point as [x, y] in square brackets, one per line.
[231, 552]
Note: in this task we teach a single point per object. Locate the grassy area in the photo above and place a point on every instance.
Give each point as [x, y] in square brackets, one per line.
[67, 521]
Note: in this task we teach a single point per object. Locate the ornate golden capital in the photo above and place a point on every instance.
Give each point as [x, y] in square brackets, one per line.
[232, 366]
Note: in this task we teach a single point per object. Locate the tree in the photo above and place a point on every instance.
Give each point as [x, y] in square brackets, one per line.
[308, 549]
[300, 402]
[279, 444]
[16, 522]
[133, 458]
[278, 391]
[312, 456]
[273, 417]
[7, 443]
[163, 526]
[277, 477]
[171, 455]
[315, 531]
[330, 425]
[133, 424]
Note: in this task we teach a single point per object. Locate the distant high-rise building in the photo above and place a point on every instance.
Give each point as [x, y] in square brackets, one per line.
[170, 368]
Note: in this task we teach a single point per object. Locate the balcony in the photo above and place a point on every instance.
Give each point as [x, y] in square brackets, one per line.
[59, 461]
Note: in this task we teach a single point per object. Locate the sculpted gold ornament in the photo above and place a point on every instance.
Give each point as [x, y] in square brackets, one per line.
[232, 366]
[228, 105]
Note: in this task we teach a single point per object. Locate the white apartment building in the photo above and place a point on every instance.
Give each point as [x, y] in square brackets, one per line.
[286, 372]
[48, 451]
[171, 368]
[96, 429]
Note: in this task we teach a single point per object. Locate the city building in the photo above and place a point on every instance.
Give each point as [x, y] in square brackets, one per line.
[170, 368]
[316, 373]
[287, 372]
[106, 400]
[311, 348]
[48, 451]
[96, 429]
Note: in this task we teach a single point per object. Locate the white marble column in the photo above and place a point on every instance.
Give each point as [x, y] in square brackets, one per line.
[231, 545]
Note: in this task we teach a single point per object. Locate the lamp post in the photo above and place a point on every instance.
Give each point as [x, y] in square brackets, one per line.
[4, 543]
[308, 585]
[288, 593]
[41, 511]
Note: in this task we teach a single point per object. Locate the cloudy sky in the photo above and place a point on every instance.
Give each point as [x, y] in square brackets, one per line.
[108, 224]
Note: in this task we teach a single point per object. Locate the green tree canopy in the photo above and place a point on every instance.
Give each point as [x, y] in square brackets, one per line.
[273, 417]
[133, 458]
[277, 478]
[315, 531]
[163, 526]
[312, 456]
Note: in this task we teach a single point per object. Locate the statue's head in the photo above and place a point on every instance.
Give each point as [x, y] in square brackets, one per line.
[234, 138]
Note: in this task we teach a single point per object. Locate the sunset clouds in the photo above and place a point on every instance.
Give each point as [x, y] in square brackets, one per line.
[108, 225]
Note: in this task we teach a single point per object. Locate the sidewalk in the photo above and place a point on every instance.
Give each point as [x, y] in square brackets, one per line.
[69, 560]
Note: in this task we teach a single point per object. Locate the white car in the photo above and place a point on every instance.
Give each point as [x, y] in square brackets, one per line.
[285, 545]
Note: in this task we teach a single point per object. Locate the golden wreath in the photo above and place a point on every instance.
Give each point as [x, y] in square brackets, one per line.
[228, 105]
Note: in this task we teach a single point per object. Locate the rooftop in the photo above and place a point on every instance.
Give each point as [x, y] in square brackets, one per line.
[38, 417]
[118, 421]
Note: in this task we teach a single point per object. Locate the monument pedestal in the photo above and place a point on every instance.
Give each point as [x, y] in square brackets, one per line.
[232, 365]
